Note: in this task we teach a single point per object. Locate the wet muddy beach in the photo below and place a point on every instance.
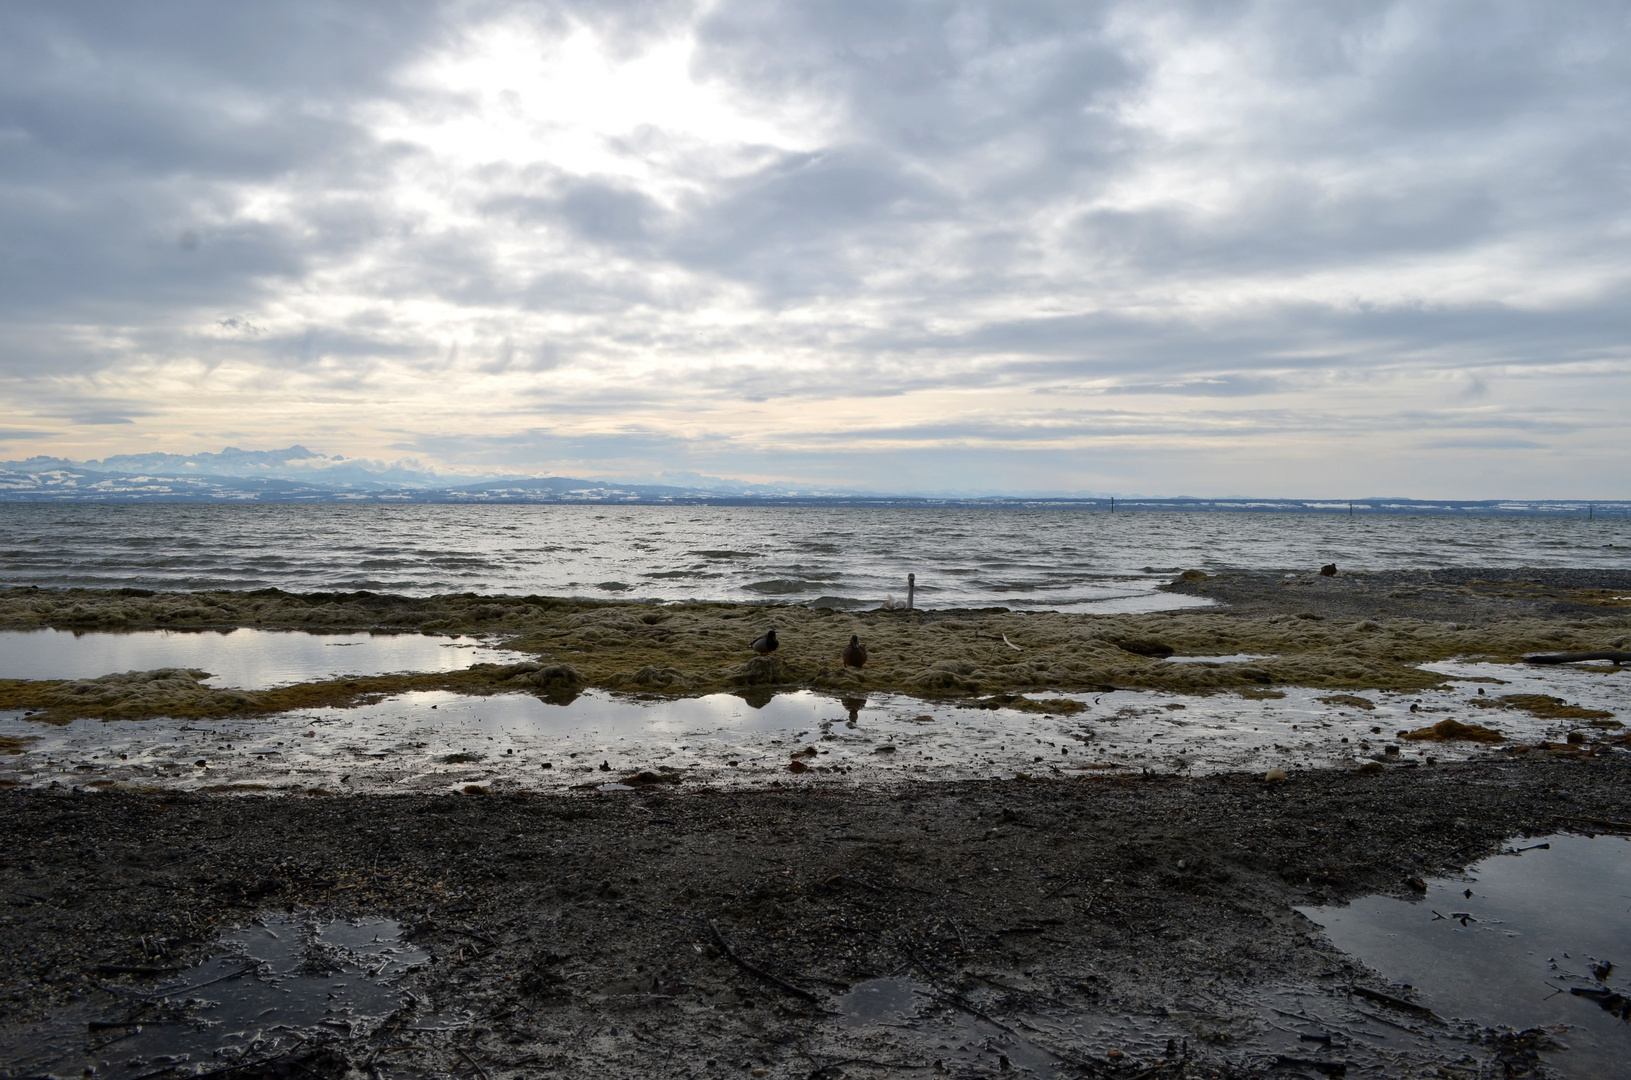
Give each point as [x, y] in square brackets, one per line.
[1103, 923]
[575, 934]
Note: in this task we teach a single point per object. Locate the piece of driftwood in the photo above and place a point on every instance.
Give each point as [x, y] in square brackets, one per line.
[1391, 1001]
[1576, 657]
[755, 971]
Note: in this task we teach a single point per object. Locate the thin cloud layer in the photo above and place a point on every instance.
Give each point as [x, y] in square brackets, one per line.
[1278, 248]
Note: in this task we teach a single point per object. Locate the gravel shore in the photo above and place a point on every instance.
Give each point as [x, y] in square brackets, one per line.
[575, 935]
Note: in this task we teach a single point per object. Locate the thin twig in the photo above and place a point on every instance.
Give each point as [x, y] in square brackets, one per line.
[730, 954]
[199, 986]
[959, 1003]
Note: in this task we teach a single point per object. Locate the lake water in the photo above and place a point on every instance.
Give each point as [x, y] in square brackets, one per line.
[1048, 558]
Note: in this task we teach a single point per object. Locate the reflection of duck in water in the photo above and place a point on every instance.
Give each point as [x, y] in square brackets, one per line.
[766, 643]
[855, 652]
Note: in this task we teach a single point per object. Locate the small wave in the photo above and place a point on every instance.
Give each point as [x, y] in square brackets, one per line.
[841, 603]
[780, 586]
[723, 553]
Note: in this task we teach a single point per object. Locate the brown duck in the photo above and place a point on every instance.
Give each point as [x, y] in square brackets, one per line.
[855, 652]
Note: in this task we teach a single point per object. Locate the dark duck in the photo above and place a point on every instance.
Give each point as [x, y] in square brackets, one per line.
[855, 652]
[765, 644]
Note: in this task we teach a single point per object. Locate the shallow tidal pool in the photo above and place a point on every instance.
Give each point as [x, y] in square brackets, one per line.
[243, 659]
[441, 741]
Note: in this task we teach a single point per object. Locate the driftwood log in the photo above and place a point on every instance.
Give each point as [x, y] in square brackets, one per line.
[1576, 657]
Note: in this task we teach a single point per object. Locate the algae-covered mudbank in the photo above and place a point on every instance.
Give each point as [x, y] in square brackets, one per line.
[699, 648]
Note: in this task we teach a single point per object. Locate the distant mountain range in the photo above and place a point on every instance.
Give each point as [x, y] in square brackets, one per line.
[297, 474]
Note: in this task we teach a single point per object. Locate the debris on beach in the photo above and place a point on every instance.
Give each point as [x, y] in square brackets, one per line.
[1452, 730]
[1542, 705]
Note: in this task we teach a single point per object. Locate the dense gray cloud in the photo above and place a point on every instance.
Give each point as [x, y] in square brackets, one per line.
[1048, 246]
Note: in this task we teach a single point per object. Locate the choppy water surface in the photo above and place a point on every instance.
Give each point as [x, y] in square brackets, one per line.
[1046, 558]
[1535, 938]
[244, 659]
[436, 741]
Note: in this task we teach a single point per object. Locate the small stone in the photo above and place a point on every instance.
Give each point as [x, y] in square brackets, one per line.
[1274, 775]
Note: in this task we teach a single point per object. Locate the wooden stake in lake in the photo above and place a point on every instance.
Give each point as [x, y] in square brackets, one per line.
[911, 587]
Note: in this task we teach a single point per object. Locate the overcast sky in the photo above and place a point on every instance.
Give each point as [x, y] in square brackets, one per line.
[1332, 249]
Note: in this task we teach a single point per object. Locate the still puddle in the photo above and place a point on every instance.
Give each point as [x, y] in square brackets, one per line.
[440, 741]
[270, 987]
[1232, 658]
[244, 659]
[1538, 938]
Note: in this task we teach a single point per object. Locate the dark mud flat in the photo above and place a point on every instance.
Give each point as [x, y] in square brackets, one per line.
[1464, 595]
[594, 934]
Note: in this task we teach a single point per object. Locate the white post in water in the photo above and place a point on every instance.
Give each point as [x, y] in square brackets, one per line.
[911, 587]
